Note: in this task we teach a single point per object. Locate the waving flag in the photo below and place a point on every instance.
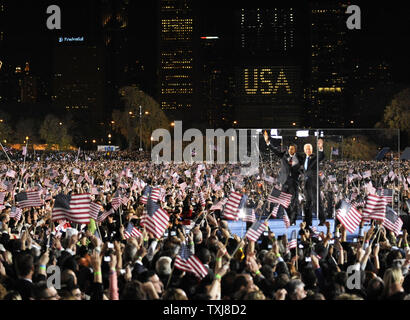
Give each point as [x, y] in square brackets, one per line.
[116, 201]
[24, 153]
[94, 210]
[249, 215]
[375, 208]
[76, 171]
[11, 174]
[145, 195]
[392, 221]
[275, 211]
[29, 199]
[132, 232]
[286, 220]
[255, 231]
[387, 194]
[219, 205]
[105, 215]
[186, 261]
[293, 240]
[280, 197]
[156, 219]
[349, 216]
[231, 208]
[202, 199]
[2, 196]
[367, 174]
[15, 213]
[74, 208]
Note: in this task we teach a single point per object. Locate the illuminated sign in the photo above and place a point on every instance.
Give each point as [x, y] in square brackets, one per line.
[268, 84]
[265, 81]
[70, 39]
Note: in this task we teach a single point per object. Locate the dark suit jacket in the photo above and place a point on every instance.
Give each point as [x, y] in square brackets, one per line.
[311, 171]
[25, 288]
[286, 171]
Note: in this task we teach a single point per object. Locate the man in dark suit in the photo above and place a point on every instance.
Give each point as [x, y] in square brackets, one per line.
[309, 168]
[289, 175]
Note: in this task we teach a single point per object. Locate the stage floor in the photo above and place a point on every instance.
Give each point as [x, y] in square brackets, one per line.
[278, 227]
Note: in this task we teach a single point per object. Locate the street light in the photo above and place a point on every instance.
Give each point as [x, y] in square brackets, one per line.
[173, 124]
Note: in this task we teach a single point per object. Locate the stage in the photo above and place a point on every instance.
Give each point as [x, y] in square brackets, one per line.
[278, 227]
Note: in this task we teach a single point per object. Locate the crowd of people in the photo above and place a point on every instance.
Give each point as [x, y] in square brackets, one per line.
[100, 261]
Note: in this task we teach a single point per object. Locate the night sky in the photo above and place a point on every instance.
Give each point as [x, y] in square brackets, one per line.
[385, 30]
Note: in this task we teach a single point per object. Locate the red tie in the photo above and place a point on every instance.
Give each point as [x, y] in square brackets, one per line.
[290, 162]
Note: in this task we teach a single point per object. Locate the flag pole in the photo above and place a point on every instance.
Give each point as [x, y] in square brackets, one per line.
[6, 153]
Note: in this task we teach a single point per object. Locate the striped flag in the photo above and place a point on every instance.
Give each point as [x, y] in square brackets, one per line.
[145, 195]
[132, 232]
[24, 153]
[375, 208]
[74, 208]
[155, 194]
[286, 220]
[219, 205]
[255, 231]
[367, 174]
[15, 213]
[106, 173]
[2, 196]
[280, 197]
[116, 201]
[29, 199]
[392, 221]
[76, 171]
[231, 208]
[94, 210]
[349, 216]
[249, 215]
[386, 193]
[105, 215]
[293, 240]
[202, 199]
[11, 173]
[275, 211]
[186, 261]
[156, 219]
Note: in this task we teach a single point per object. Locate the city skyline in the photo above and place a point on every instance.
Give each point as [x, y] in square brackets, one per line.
[244, 65]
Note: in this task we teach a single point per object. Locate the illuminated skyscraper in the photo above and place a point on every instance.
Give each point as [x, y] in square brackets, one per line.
[176, 56]
[329, 63]
[268, 68]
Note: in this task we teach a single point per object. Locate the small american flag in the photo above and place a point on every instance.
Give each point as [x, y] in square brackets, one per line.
[15, 213]
[275, 211]
[116, 201]
[286, 220]
[367, 174]
[29, 199]
[24, 151]
[375, 208]
[219, 205]
[202, 199]
[186, 261]
[156, 219]
[255, 231]
[387, 194]
[105, 215]
[231, 208]
[249, 215]
[74, 208]
[132, 232]
[280, 197]
[293, 240]
[94, 210]
[106, 173]
[11, 174]
[392, 221]
[2, 196]
[349, 216]
[156, 194]
[65, 180]
[76, 171]
[145, 195]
